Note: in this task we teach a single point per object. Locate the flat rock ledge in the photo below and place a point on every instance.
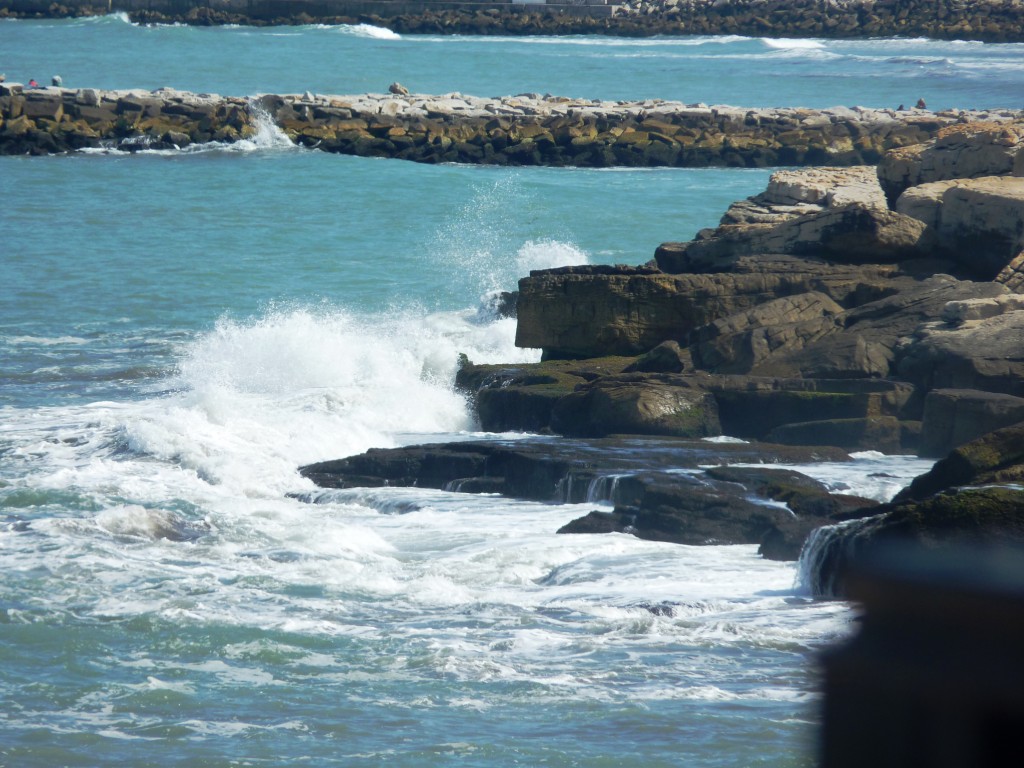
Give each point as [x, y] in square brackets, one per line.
[990, 21]
[659, 489]
[527, 129]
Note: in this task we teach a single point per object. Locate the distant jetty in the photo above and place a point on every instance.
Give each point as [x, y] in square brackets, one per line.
[986, 20]
[528, 129]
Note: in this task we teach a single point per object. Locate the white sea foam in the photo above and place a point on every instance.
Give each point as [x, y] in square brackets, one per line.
[254, 399]
[260, 397]
[369, 31]
[120, 17]
[871, 474]
[589, 41]
[45, 341]
[786, 43]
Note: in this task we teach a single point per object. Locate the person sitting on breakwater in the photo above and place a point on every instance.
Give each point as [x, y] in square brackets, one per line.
[57, 80]
[920, 104]
[32, 83]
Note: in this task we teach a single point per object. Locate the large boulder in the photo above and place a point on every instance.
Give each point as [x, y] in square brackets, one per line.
[972, 497]
[642, 404]
[974, 518]
[856, 233]
[996, 457]
[775, 508]
[565, 470]
[511, 397]
[953, 417]
[578, 312]
[979, 354]
[794, 192]
[683, 510]
[592, 397]
[756, 407]
[979, 222]
[738, 342]
[964, 151]
[863, 341]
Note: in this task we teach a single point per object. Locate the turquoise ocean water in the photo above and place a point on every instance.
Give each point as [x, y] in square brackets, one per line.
[179, 331]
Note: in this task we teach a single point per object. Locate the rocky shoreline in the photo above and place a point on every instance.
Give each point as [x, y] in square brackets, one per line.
[528, 129]
[874, 306]
[841, 309]
[991, 21]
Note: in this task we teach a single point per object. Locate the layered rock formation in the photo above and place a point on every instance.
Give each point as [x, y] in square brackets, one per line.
[527, 129]
[814, 315]
[992, 20]
[818, 279]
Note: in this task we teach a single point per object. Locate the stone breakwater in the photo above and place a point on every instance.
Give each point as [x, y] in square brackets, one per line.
[991, 21]
[51, 120]
[527, 129]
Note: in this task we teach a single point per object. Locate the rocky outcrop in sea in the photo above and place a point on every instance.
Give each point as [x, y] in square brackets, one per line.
[841, 309]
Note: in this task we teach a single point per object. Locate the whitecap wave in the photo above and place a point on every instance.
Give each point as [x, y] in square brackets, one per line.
[789, 43]
[369, 31]
[591, 41]
[119, 17]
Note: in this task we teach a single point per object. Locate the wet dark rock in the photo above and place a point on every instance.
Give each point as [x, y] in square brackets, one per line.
[684, 509]
[646, 404]
[983, 354]
[667, 357]
[953, 417]
[810, 501]
[947, 522]
[541, 468]
[971, 498]
[657, 485]
[522, 397]
[883, 433]
[994, 458]
[775, 508]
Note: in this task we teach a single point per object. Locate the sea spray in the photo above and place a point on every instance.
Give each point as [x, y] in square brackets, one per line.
[299, 386]
[480, 242]
[268, 135]
[368, 31]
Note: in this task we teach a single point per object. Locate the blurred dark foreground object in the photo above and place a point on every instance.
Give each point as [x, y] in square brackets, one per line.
[934, 678]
